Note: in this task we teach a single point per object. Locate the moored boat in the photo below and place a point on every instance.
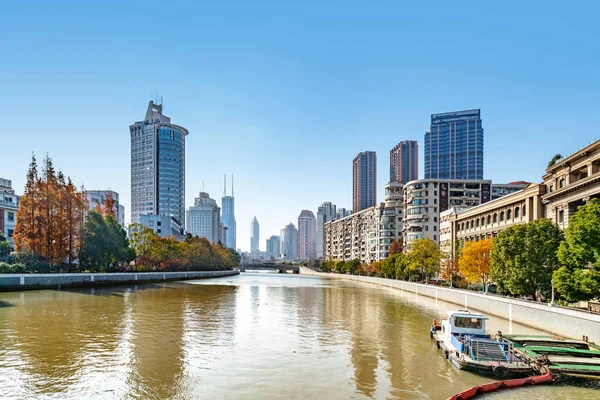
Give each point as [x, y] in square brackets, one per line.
[561, 356]
[465, 343]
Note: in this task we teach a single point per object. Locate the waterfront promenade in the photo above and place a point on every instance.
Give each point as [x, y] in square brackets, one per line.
[561, 321]
[14, 282]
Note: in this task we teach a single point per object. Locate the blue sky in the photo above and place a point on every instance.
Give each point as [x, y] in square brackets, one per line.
[285, 95]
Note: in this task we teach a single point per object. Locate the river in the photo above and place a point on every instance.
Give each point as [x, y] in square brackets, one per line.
[256, 335]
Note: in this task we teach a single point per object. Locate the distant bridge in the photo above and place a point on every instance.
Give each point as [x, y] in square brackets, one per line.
[282, 269]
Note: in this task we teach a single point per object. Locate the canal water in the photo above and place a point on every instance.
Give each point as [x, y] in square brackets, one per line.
[256, 335]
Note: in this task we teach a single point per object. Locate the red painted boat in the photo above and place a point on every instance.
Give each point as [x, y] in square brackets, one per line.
[498, 385]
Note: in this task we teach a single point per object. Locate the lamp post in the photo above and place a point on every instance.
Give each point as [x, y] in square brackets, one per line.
[552, 304]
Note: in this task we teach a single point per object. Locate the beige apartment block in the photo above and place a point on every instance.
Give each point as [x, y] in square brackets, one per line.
[571, 182]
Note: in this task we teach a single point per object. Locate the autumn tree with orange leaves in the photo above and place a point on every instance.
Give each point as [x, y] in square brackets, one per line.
[51, 215]
[475, 261]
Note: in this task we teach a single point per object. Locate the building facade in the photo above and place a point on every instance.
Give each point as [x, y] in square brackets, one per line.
[273, 247]
[164, 225]
[9, 205]
[570, 183]
[307, 232]
[157, 166]
[368, 234]
[454, 146]
[342, 212]
[228, 215]
[364, 180]
[254, 236]
[204, 218]
[98, 198]
[504, 189]
[325, 213]
[425, 199]
[404, 162]
[289, 243]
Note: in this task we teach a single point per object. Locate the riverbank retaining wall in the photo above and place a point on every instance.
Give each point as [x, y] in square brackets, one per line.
[556, 320]
[14, 282]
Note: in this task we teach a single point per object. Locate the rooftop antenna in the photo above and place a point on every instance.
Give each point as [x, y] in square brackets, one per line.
[231, 185]
[224, 185]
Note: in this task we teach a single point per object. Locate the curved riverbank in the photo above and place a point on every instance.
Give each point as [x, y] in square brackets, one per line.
[556, 320]
[16, 282]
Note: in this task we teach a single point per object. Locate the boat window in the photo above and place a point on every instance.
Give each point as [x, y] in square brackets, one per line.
[471, 323]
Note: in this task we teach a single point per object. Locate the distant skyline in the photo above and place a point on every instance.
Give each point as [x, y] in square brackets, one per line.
[284, 95]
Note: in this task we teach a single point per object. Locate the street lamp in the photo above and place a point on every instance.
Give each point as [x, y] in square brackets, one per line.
[552, 304]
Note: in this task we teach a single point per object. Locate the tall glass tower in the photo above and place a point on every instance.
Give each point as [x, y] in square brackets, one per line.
[254, 236]
[157, 166]
[228, 214]
[454, 146]
[364, 181]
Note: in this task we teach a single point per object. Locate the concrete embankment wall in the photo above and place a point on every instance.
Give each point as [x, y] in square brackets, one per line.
[14, 282]
[557, 320]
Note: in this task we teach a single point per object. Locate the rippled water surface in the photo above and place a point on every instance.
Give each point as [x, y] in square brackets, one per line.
[251, 336]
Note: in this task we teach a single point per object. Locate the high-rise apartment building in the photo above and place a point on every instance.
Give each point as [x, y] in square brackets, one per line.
[404, 162]
[98, 198]
[273, 247]
[364, 180]
[342, 212]
[307, 246]
[228, 215]
[454, 146]
[326, 212]
[204, 218]
[157, 166]
[289, 243]
[254, 236]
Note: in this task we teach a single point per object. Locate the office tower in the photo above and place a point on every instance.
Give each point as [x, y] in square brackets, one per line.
[307, 246]
[157, 166]
[228, 214]
[364, 181]
[273, 246]
[404, 162]
[254, 236]
[289, 242]
[342, 212]
[97, 198]
[204, 218]
[454, 146]
[326, 212]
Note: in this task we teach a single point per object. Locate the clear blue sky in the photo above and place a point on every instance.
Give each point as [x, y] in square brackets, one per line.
[285, 95]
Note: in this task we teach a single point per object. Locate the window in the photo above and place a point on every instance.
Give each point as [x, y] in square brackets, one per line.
[472, 224]
[561, 216]
[477, 223]
[11, 216]
[10, 232]
[561, 183]
[489, 219]
[435, 228]
[434, 237]
[482, 221]
[524, 209]
[434, 201]
[465, 322]
[495, 217]
[509, 214]
[434, 219]
[158, 230]
[501, 216]
[551, 189]
[517, 212]
[463, 227]
[157, 223]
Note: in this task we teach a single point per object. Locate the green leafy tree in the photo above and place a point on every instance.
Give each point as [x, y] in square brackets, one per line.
[5, 248]
[424, 257]
[554, 160]
[579, 255]
[524, 257]
[105, 244]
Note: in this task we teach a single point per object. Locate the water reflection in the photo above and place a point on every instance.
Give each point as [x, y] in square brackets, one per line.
[255, 335]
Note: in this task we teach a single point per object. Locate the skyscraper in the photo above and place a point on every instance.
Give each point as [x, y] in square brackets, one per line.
[273, 246]
[404, 162]
[228, 214]
[454, 146]
[326, 212]
[254, 235]
[157, 166]
[203, 219]
[306, 235]
[364, 181]
[289, 242]
[342, 212]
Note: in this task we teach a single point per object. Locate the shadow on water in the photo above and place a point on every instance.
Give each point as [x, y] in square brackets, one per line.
[5, 304]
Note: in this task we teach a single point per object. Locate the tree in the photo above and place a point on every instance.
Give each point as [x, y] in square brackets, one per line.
[4, 248]
[105, 244]
[395, 247]
[424, 256]
[24, 235]
[524, 257]
[474, 262]
[579, 254]
[554, 160]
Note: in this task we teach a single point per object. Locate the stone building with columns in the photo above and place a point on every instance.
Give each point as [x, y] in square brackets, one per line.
[571, 182]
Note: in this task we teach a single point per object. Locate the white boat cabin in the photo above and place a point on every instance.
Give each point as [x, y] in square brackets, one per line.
[464, 322]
